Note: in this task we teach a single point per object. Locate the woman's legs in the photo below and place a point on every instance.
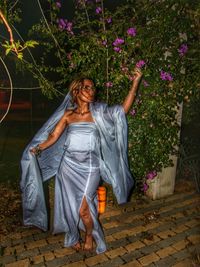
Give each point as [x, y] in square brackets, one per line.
[88, 223]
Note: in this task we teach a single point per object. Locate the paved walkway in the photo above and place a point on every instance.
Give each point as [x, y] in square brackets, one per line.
[141, 233]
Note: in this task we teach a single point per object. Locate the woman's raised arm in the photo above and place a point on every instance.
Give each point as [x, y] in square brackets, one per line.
[132, 92]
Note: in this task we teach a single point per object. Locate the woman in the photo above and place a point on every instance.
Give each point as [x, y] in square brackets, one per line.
[94, 140]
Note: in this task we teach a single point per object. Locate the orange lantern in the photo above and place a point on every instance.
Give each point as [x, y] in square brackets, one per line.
[101, 195]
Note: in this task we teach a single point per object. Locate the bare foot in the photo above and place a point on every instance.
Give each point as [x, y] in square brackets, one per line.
[88, 245]
[77, 246]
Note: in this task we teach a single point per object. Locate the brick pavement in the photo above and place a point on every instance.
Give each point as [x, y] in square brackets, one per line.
[140, 233]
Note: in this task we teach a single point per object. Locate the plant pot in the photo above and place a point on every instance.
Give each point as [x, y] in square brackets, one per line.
[163, 184]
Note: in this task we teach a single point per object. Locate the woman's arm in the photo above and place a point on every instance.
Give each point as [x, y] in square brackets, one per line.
[53, 137]
[132, 92]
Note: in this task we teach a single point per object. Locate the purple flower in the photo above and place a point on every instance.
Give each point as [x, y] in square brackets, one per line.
[145, 187]
[58, 4]
[140, 63]
[124, 69]
[69, 26]
[98, 10]
[145, 83]
[183, 49]
[109, 84]
[61, 23]
[165, 76]
[104, 42]
[109, 20]
[118, 42]
[117, 49]
[151, 175]
[131, 31]
[133, 112]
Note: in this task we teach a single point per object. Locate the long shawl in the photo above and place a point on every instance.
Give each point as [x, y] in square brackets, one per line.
[112, 126]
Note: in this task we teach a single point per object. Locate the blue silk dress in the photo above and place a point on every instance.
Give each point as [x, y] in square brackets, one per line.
[78, 177]
[83, 153]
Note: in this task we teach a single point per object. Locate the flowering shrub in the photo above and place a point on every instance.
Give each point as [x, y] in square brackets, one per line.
[106, 44]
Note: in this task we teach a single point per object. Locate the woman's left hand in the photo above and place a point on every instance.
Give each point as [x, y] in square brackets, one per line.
[137, 74]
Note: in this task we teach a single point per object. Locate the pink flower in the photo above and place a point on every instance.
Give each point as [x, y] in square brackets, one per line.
[151, 175]
[109, 84]
[145, 187]
[183, 49]
[58, 4]
[140, 63]
[131, 31]
[117, 49]
[166, 76]
[109, 20]
[145, 83]
[118, 42]
[104, 42]
[98, 10]
[133, 112]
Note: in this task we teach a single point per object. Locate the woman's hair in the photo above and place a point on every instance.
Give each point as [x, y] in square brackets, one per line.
[75, 86]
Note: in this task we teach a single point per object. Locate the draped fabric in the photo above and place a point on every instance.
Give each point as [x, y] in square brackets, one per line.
[111, 125]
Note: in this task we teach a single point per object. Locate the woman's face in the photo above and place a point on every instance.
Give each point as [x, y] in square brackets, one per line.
[87, 92]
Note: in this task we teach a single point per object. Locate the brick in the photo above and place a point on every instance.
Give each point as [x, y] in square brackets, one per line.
[166, 262]
[136, 230]
[63, 252]
[180, 255]
[118, 243]
[109, 238]
[151, 226]
[149, 249]
[154, 239]
[111, 213]
[7, 259]
[36, 244]
[112, 263]
[180, 229]
[27, 254]
[166, 252]
[180, 245]
[132, 255]
[15, 236]
[116, 252]
[37, 259]
[96, 260]
[185, 263]
[148, 259]
[121, 234]
[133, 263]
[48, 256]
[192, 223]
[194, 239]
[111, 224]
[76, 264]
[58, 262]
[22, 263]
[166, 234]
[50, 247]
[133, 246]
[55, 238]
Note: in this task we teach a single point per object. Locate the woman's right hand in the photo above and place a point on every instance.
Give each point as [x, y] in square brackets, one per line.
[36, 150]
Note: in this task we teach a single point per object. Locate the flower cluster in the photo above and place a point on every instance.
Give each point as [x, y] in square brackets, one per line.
[109, 84]
[64, 24]
[131, 32]
[58, 4]
[98, 10]
[166, 76]
[117, 43]
[140, 64]
[183, 50]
